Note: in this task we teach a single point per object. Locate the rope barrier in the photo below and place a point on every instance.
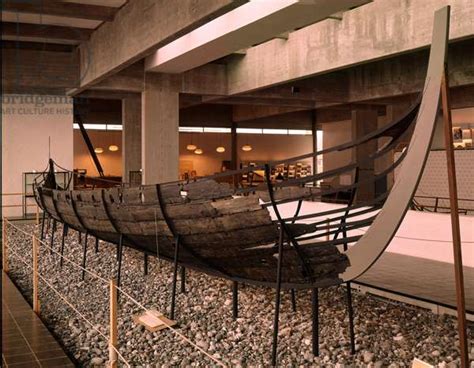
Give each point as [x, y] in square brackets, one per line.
[183, 337]
[67, 302]
[60, 255]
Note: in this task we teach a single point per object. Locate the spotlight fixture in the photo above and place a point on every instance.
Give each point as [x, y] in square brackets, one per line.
[99, 150]
[191, 147]
[220, 149]
[113, 148]
[198, 151]
[246, 147]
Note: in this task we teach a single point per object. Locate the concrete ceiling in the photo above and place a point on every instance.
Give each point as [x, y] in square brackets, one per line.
[252, 23]
[53, 21]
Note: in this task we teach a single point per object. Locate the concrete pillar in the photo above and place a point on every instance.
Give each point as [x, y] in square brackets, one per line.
[234, 156]
[314, 132]
[364, 122]
[160, 128]
[131, 136]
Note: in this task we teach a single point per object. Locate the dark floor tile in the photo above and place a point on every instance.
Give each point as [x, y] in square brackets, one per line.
[50, 354]
[25, 338]
[15, 349]
[46, 347]
[55, 363]
[23, 358]
[25, 365]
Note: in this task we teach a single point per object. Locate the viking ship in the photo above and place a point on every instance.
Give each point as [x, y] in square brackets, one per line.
[241, 234]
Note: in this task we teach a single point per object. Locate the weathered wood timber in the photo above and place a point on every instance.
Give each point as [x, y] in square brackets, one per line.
[227, 231]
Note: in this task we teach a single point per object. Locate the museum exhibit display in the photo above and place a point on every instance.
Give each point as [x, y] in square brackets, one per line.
[237, 183]
[227, 232]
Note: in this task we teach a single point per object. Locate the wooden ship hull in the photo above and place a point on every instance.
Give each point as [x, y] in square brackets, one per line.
[229, 232]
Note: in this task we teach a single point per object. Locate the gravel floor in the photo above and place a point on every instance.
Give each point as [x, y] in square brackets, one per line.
[387, 333]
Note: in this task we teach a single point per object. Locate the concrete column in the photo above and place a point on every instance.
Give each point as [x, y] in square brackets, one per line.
[160, 128]
[364, 122]
[234, 156]
[131, 136]
[314, 132]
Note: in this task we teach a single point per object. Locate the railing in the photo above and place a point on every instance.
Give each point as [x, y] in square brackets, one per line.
[441, 204]
[114, 292]
[37, 213]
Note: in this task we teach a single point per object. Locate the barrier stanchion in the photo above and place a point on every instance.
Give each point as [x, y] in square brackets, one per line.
[36, 302]
[113, 339]
[4, 245]
[328, 227]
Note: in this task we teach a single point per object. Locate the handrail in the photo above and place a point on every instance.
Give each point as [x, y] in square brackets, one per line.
[447, 198]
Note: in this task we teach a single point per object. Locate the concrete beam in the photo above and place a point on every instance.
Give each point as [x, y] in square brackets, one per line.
[250, 24]
[406, 74]
[34, 71]
[381, 29]
[244, 112]
[60, 8]
[139, 28]
[45, 31]
[210, 79]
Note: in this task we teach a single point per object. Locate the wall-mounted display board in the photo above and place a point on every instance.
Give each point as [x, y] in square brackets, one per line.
[463, 135]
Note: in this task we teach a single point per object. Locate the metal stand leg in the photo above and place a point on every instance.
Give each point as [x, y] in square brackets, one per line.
[145, 264]
[43, 220]
[235, 300]
[175, 277]
[315, 316]
[53, 230]
[62, 245]
[48, 224]
[96, 244]
[120, 252]
[277, 301]
[351, 316]
[183, 280]
[293, 299]
[79, 237]
[84, 255]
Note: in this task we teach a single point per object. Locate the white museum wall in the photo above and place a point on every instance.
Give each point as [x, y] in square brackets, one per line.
[28, 123]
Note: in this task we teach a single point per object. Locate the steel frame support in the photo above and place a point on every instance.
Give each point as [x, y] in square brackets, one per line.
[235, 300]
[293, 299]
[63, 239]
[175, 277]
[89, 145]
[53, 230]
[119, 257]
[43, 220]
[84, 255]
[350, 311]
[145, 264]
[315, 320]
[183, 280]
[307, 271]
[276, 319]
